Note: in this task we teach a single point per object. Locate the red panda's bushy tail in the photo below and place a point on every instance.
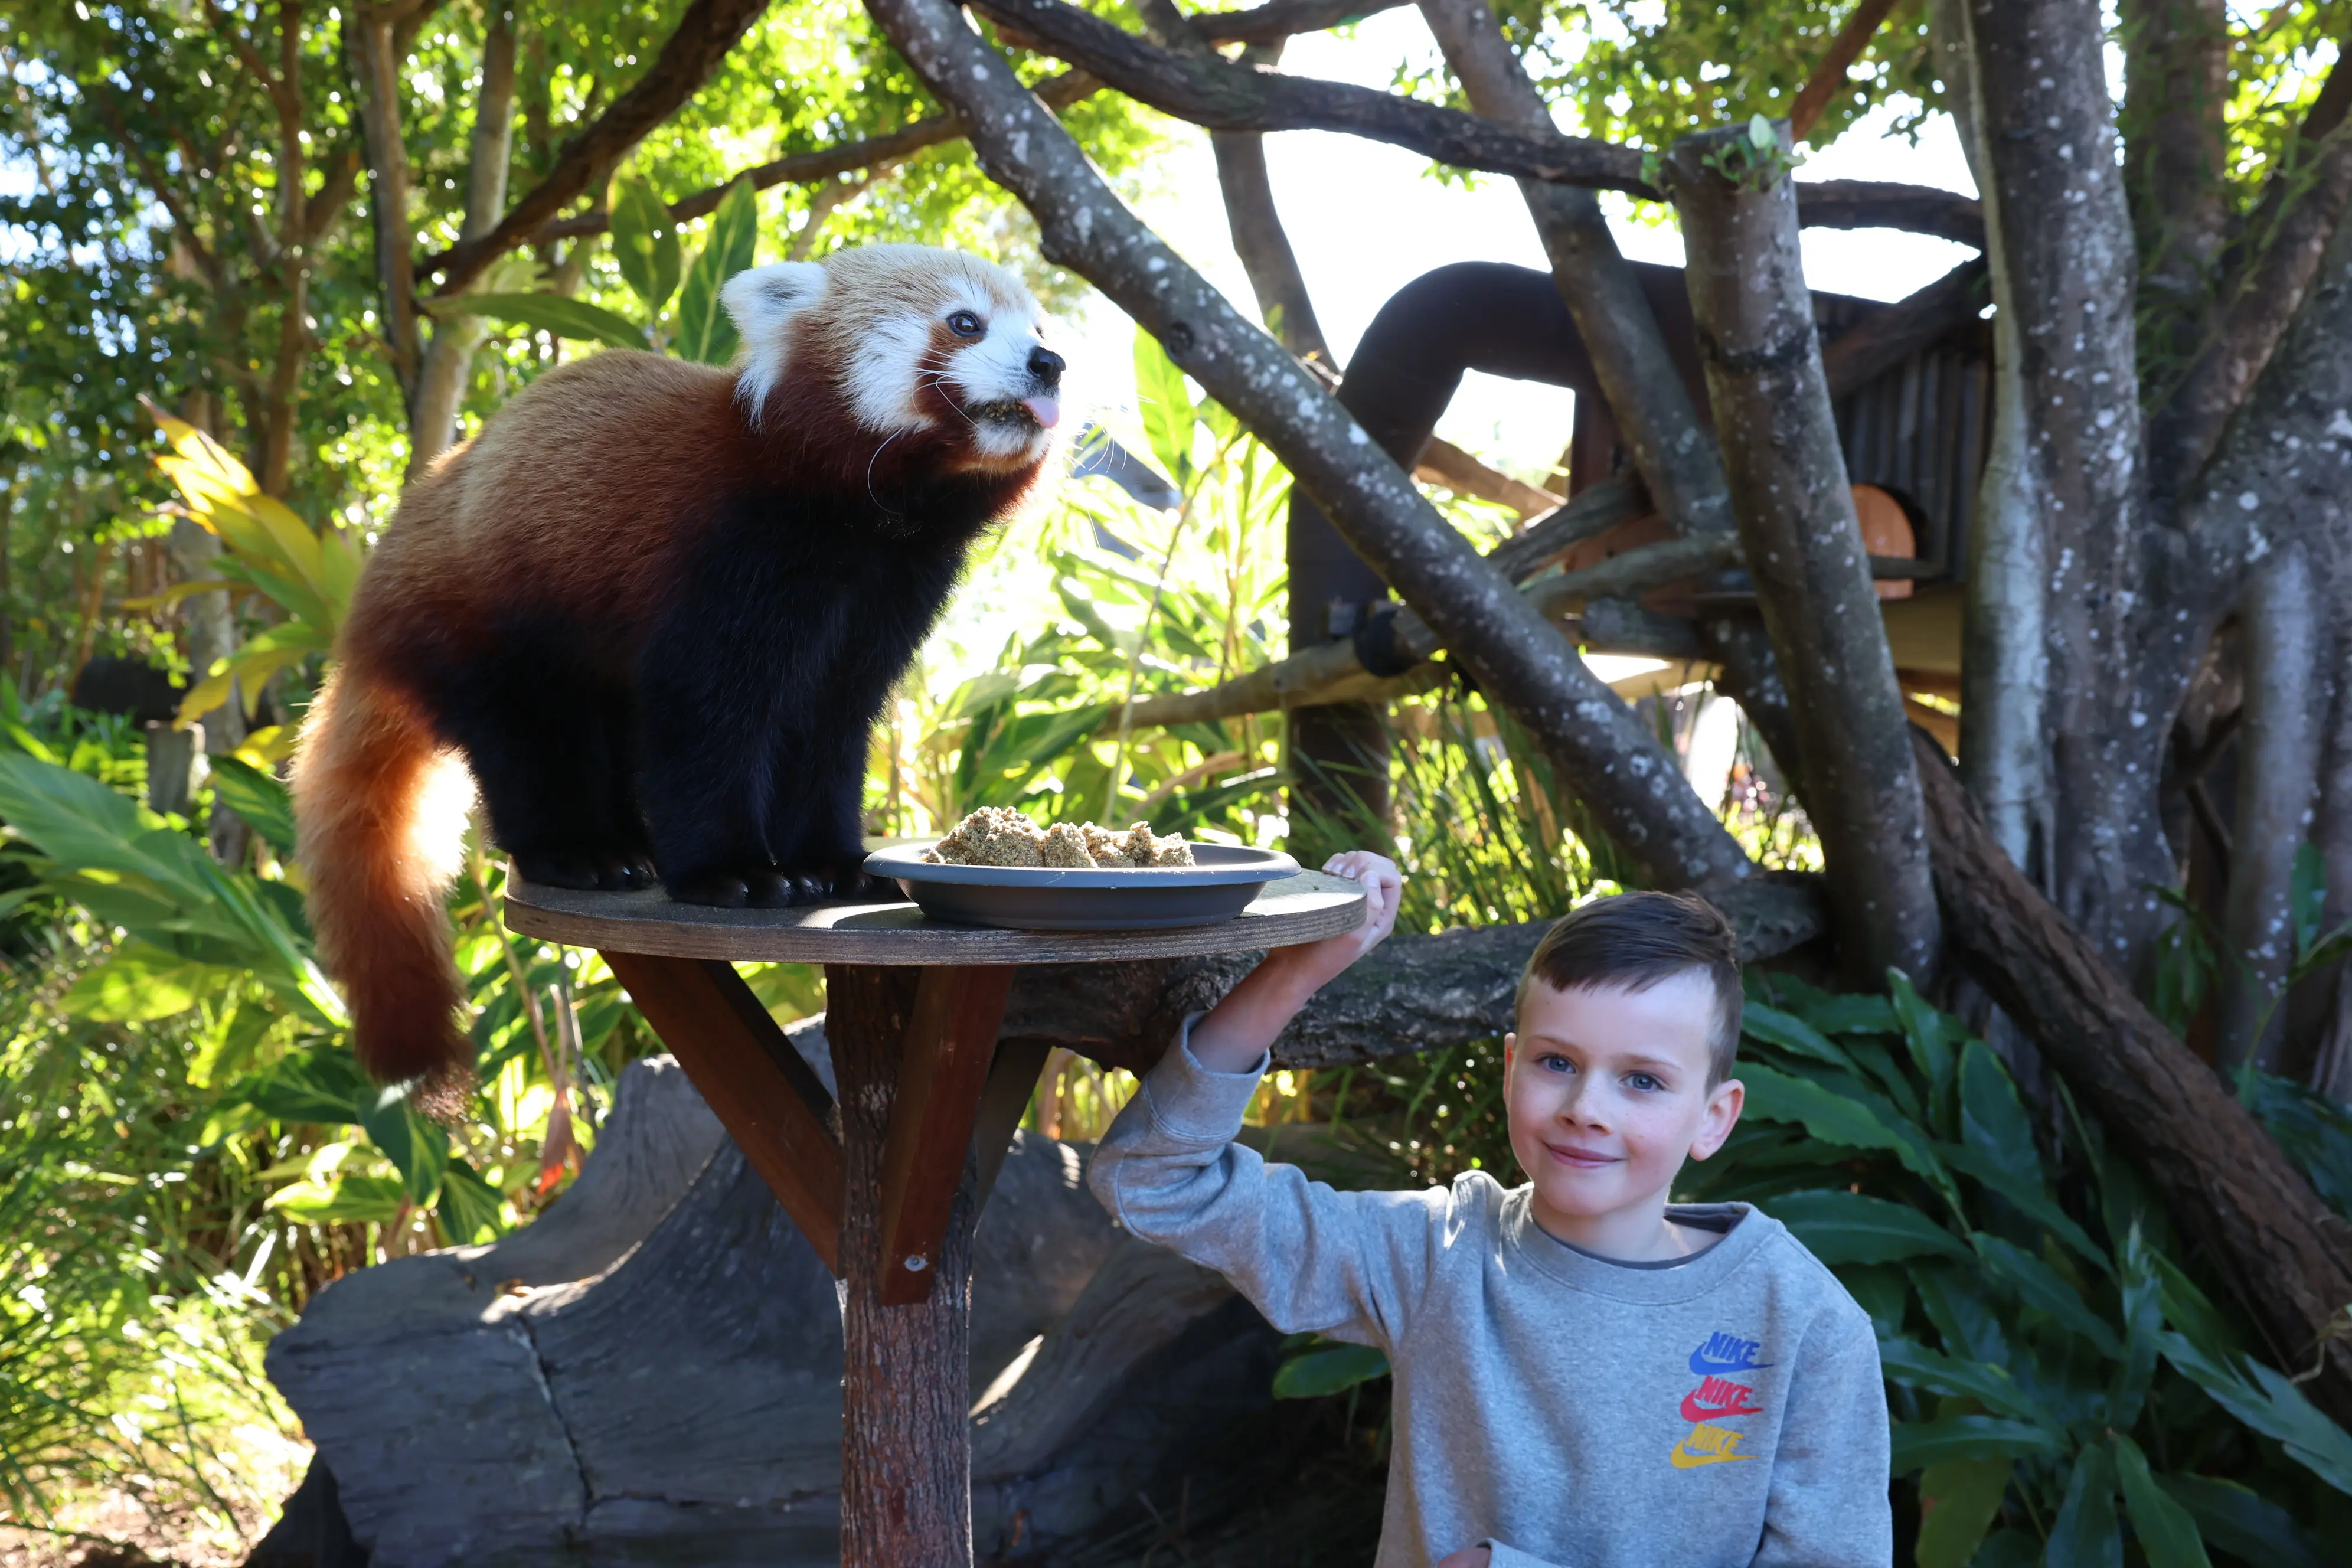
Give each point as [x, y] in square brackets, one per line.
[380, 812]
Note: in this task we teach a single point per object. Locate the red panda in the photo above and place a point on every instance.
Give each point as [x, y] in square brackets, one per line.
[653, 611]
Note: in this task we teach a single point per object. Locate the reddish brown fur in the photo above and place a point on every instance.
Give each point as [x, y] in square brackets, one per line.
[584, 497]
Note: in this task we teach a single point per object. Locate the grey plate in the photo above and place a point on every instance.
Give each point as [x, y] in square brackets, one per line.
[1219, 886]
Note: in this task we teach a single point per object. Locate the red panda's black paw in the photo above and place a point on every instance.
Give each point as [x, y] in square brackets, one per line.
[557, 869]
[757, 888]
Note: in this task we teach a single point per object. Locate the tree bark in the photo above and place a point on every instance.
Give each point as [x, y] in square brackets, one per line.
[1631, 782]
[905, 1458]
[441, 383]
[2286, 236]
[2228, 1187]
[1804, 551]
[2278, 777]
[1829, 76]
[2004, 657]
[2176, 157]
[369, 38]
[2067, 251]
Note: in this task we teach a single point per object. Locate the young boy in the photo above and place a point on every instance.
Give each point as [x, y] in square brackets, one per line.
[1585, 1374]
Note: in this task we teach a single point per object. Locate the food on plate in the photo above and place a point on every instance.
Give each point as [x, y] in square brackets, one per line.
[999, 836]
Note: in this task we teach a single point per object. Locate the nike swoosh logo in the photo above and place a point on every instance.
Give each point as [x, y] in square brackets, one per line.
[1697, 1409]
[1707, 1445]
[1683, 1458]
[1705, 1365]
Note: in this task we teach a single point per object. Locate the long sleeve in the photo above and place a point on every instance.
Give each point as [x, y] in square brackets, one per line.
[1502, 1556]
[1349, 1265]
[1828, 1506]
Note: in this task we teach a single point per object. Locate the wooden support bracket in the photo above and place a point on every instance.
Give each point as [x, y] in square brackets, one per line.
[769, 1100]
[950, 1044]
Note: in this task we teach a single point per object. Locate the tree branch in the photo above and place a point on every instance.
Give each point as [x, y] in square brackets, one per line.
[705, 34]
[1804, 551]
[808, 168]
[1830, 75]
[2301, 205]
[1282, 20]
[1630, 782]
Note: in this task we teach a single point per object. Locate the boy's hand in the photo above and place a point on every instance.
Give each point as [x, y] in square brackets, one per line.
[1468, 1557]
[1312, 964]
[1238, 1031]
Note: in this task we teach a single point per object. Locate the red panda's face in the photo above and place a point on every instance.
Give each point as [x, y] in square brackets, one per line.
[914, 339]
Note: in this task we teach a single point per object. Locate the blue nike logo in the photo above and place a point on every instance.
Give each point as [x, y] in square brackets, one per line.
[1726, 1352]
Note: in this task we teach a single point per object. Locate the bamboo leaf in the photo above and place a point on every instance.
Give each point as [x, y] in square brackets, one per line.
[1958, 1500]
[2085, 1534]
[2243, 1524]
[1327, 1369]
[2268, 1403]
[138, 984]
[2039, 1286]
[1791, 1033]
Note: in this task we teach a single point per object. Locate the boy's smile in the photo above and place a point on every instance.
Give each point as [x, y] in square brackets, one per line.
[1607, 1091]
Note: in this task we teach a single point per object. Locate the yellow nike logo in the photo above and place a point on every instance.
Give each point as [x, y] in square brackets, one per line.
[1707, 1445]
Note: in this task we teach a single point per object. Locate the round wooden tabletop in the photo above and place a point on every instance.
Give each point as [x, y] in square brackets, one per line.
[1304, 907]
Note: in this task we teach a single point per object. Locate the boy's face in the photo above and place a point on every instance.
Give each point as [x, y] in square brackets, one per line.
[1608, 1094]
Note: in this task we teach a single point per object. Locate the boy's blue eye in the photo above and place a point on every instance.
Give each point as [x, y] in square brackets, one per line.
[1644, 1081]
[1555, 1063]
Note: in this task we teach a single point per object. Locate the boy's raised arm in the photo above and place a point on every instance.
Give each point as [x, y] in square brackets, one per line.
[1310, 1259]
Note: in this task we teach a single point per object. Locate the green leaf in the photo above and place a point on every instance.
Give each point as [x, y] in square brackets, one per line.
[417, 1147]
[1992, 1117]
[1924, 1033]
[2243, 1524]
[471, 1210]
[1846, 1118]
[257, 797]
[1912, 1366]
[2085, 1534]
[2307, 896]
[1791, 1033]
[352, 1200]
[2031, 1200]
[1327, 1369]
[140, 983]
[1760, 131]
[1165, 406]
[644, 243]
[1854, 1228]
[1958, 1500]
[1918, 1444]
[2267, 1401]
[2164, 1529]
[319, 1086]
[2041, 1287]
[575, 319]
[705, 331]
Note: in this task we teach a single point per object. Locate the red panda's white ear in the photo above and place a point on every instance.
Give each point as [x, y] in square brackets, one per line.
[762, 303]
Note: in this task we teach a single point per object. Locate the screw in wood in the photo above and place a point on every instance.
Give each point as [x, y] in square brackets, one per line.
[917, 1263]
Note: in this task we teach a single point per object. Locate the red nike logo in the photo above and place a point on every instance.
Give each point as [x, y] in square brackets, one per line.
[1718, 1397]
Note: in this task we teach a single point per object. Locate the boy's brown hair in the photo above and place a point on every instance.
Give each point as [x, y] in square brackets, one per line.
[1635, 941]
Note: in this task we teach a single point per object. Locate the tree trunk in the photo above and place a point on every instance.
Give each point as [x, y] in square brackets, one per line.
[375, 80]
[2278, 778]
[441, 384]
[1631, 782]
[1804, 548]
[2066, 251]
[2227, 1186]
[2176, 157]
[906, 1460]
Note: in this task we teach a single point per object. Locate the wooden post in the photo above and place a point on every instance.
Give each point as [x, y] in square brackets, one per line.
[906, 1454]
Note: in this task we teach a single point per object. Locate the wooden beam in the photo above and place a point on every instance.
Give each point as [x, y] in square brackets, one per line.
[769, 1100]
[950, 1044]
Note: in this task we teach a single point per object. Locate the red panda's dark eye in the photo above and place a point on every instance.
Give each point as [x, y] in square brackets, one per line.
[963, 323]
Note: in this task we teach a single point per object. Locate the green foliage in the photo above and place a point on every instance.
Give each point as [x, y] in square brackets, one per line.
[705, 331]
[577, 319]
[644, 242]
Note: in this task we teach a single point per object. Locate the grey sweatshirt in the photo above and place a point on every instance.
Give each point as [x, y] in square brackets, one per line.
[1568, 1410]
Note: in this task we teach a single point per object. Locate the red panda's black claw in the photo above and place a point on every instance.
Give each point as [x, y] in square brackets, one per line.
[721, 889]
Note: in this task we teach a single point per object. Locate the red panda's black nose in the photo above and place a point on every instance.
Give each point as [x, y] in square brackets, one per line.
[1046, 366]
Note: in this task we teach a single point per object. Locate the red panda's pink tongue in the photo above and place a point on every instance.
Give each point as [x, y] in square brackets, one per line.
[1046, 411]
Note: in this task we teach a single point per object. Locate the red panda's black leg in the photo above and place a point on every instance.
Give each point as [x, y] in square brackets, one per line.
[548, 745]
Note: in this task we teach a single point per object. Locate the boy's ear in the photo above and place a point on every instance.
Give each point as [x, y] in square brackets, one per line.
[1723, 1106]
[1510, 1046]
